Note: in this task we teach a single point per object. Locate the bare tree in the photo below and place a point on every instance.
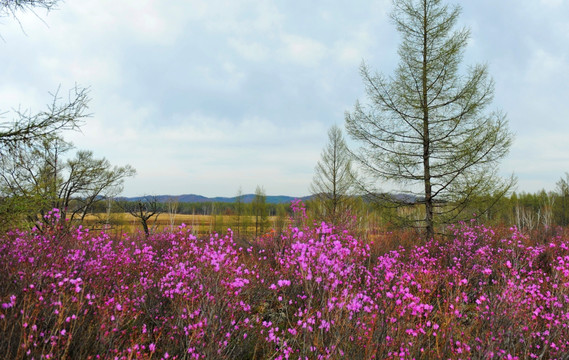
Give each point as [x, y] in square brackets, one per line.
[12, 7]
[172, 208]
[30, 128]
[427, 126]
[89, 180]
[333, 179]
[59, 116]
[143, 210]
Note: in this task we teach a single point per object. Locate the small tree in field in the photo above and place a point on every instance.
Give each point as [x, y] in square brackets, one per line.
[428, 126]
[333, 179]
[259, 209]
[143, 210]
[239, 212]
[172, 208]
[562, 202]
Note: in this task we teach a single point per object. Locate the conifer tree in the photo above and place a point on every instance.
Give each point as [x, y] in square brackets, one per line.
[428, 126]
[333, 179]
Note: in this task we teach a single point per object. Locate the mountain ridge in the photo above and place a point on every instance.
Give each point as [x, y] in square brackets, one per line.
[400, 198]
[194, 198]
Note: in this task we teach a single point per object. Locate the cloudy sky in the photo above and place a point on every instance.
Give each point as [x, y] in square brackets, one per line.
[207, 96]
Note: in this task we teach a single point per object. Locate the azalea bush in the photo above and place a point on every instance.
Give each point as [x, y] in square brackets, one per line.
[311, 292]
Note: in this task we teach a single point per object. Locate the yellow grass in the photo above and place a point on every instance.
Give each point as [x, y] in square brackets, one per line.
[200, 224]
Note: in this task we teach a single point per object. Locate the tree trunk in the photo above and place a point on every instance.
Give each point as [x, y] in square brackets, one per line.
[430, 232]
[145, 227]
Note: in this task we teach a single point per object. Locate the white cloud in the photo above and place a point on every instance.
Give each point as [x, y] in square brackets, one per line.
[552, 3]
[204, 152]
[546, 67]
[206, 95]
[250, 50]
[143, 20]
[244, 17]
[354, 48]
[303, 50]
[92, 71]
[12, 97]
[538, 159]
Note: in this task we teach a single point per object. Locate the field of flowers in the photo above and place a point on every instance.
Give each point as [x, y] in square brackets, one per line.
[313, 292]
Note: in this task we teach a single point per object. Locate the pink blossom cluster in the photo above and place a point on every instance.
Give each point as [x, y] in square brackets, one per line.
[312, 292]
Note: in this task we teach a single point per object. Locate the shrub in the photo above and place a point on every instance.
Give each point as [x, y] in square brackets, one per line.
[313, 291]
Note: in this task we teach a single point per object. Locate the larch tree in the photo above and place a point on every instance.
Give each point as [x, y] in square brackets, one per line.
[11, 7]
[333, 180]
[27, 127]
[562, 202]
[428, 126]
[33, 175]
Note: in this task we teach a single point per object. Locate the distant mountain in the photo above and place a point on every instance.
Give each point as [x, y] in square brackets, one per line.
[274, 199]
[193, 198]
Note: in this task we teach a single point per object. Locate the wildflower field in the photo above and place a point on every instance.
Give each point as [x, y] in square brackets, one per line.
[312, 292]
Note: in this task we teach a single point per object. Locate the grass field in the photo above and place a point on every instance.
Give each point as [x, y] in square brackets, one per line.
[119, 223]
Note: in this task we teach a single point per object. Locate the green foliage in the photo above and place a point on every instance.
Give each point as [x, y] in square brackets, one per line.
[334, 180]
[281, 218]
[38, 177]
[427, 127]
[561, 209]
[31, 178]
[259, 211]
[238, 211]
[31, 130]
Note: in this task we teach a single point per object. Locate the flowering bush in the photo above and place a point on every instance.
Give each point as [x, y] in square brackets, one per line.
[312, 292]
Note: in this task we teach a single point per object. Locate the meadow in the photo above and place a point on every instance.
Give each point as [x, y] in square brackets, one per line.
[201, 225]
[313, 291]
[125, 222]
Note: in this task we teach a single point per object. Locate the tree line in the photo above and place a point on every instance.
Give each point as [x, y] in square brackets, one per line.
[254, 218]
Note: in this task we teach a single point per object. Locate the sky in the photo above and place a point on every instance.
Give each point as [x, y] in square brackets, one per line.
[212, 96]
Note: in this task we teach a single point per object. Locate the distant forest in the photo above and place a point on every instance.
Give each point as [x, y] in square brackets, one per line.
[526, 210]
